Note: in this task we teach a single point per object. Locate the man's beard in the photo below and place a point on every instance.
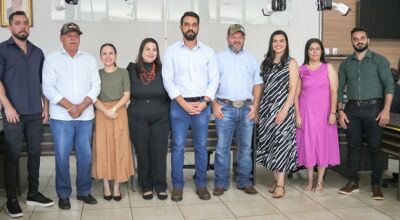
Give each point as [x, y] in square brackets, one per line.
[360, 49]
[21, 37]
[234, 49]
[189, 37]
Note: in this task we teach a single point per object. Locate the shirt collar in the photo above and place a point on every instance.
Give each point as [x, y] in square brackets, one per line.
[199, 45]
[11, 41]
[368, 55]
[233, 52]
[63, 51]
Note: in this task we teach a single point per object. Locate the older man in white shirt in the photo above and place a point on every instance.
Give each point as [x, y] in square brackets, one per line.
[190, 75]
[71, 82]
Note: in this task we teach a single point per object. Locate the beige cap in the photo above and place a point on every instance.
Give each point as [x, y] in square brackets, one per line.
[68, 27]
[236, 28]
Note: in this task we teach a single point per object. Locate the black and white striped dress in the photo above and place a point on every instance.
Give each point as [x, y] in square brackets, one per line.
[276, 144]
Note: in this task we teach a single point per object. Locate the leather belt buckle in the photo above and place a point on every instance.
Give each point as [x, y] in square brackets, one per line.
[238, 104]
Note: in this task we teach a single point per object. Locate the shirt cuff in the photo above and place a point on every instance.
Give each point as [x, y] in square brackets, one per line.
[56, 99]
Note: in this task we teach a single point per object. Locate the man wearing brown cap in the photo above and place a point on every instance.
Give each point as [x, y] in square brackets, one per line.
[71, 82]
[235, 109]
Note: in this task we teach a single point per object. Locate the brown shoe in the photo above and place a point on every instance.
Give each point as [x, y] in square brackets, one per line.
[203, 193]
[248, 190]
[177, 195]
[349, 188]
[218, 191]
[376, 193]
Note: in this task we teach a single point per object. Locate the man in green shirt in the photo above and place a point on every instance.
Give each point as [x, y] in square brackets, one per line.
[367, 79]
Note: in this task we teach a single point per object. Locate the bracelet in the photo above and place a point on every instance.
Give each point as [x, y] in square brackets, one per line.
[333, 113]
[114, 109]
[340, 110]
[70, 108]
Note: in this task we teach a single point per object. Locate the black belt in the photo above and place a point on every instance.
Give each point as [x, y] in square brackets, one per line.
[360, 103]
[236, 104]
[194, 99]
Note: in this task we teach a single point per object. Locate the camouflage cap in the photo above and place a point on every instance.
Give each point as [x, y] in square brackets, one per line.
[236, 28]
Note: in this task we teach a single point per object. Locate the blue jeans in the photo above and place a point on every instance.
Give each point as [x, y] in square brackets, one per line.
[67, 135]
[235, 119]
[180, 122]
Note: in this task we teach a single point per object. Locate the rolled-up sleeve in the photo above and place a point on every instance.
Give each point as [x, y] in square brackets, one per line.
[168, 72]
[213, 76]
[386, 76]
[95, 82]
[49, 82]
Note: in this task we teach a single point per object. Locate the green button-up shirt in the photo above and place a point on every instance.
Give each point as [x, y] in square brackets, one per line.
[367, 79]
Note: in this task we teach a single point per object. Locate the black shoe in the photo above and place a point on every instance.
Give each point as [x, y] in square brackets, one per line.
[162, 195]
[13, 208]
[89, 199]
[148, 196]
[64, 203]
[39, 200]
[108, 198]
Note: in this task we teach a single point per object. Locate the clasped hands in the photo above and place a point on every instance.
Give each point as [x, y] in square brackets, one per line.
[194, 108]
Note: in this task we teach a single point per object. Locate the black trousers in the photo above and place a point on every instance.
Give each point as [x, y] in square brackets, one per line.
[31, 127]
[149, 130]
[362, 121]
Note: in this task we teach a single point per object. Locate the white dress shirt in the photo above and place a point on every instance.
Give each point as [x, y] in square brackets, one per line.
[190, 72]
[72, 78]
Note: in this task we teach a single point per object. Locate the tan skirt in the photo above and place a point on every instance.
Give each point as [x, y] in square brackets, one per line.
[112, 156]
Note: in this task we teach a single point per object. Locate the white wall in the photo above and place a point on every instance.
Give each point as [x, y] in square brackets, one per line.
[302, 16]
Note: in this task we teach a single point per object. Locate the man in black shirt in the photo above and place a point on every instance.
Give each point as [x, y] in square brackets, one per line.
[23, 115]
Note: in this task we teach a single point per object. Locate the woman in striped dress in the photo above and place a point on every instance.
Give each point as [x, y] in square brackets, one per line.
[277, 143]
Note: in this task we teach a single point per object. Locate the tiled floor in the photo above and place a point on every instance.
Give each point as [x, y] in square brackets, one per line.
[234, 204]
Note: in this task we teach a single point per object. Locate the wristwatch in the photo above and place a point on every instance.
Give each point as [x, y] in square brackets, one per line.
[206, 101]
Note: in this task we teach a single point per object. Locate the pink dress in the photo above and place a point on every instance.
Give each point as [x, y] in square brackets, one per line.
[317, 141]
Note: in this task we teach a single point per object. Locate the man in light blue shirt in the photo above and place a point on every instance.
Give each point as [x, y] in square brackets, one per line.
[190, 76]
[71, 82]
[235, 109]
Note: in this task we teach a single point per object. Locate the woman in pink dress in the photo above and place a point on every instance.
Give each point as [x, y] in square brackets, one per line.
[316, 136]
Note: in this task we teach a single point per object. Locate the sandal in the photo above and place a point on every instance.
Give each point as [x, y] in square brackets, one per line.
[272, 188]
[319, 187]
[309, 187]
[279, 191]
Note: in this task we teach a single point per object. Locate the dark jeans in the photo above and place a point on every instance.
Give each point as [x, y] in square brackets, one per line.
[362, 121]
[31, 127]
[149, 130]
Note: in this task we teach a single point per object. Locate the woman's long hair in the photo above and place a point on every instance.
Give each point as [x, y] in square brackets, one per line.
[308, 44]
[270, 56]
[139, 58]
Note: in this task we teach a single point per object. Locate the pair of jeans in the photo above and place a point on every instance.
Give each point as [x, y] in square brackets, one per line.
[362, 119]
[31, 127]
[180, 122]
[234, 120]
[68, 135]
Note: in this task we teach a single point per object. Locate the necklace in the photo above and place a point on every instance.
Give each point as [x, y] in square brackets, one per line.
[147, 77]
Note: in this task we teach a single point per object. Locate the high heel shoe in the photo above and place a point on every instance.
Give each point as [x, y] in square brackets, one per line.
[279, 192]
[107, 197]
[118, 198]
